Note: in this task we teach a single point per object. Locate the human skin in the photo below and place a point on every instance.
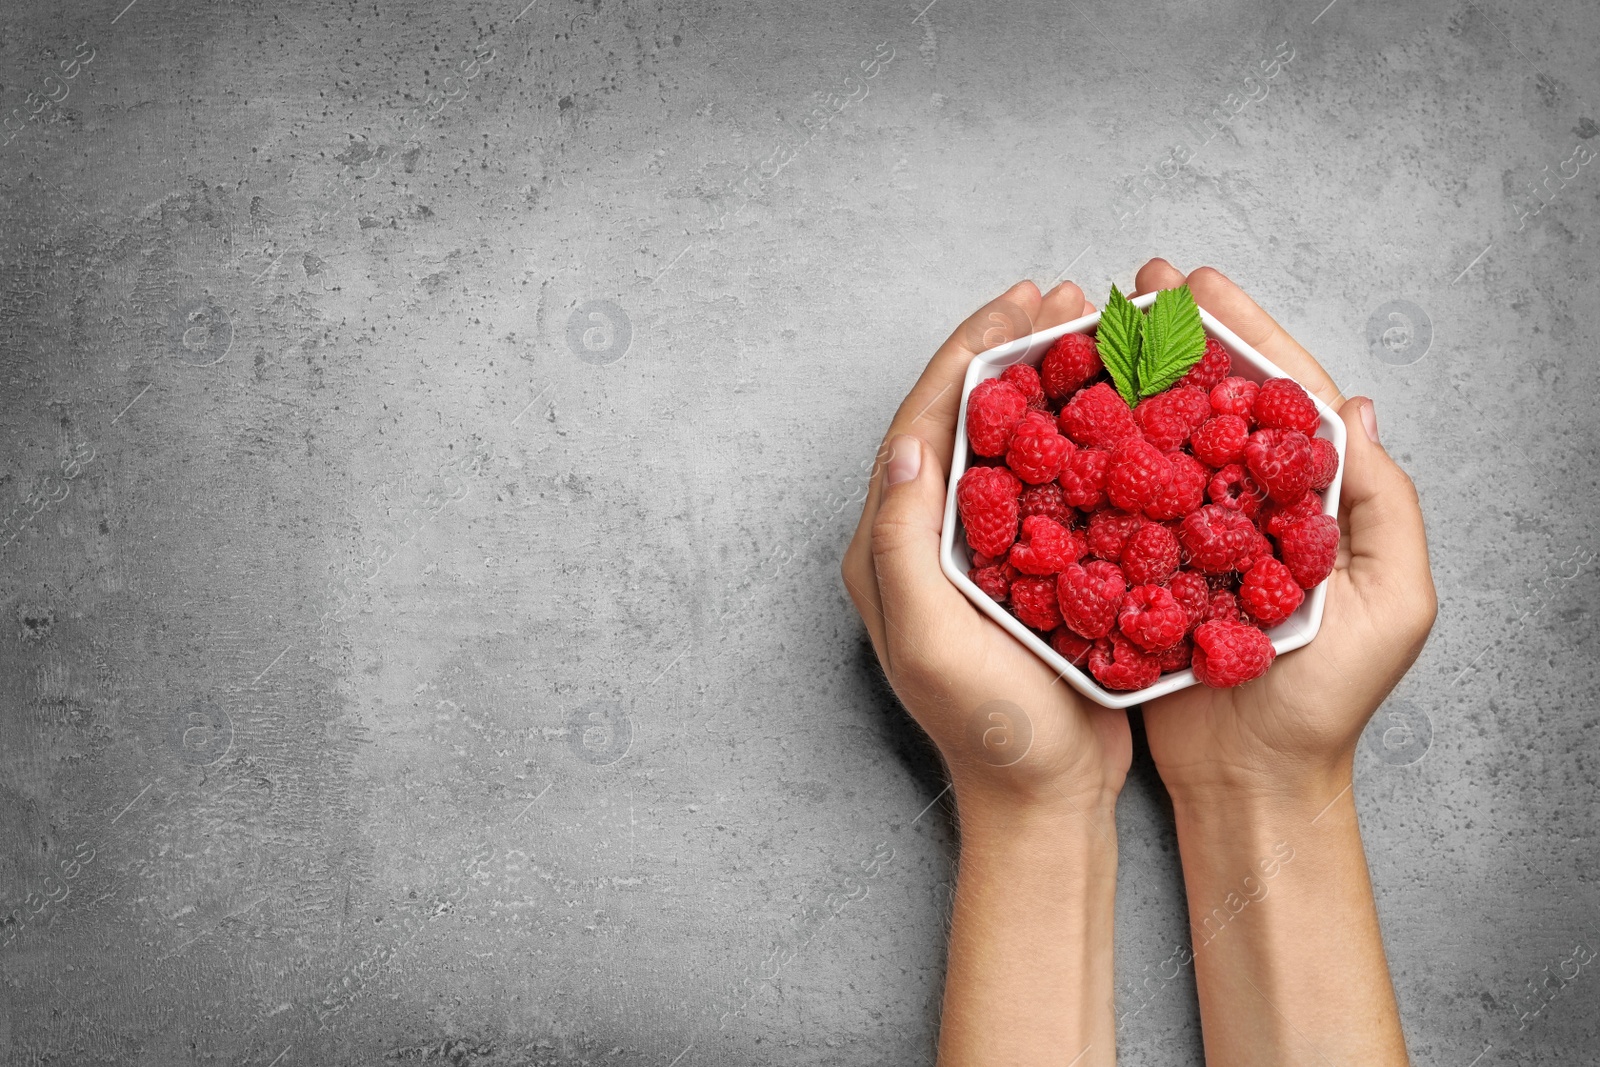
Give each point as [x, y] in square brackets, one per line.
[1264, 770]
[1035, 769]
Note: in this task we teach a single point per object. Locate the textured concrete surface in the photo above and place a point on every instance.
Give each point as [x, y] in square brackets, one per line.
[422, 497]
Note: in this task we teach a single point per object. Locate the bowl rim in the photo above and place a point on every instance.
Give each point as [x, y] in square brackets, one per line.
[1295, 632]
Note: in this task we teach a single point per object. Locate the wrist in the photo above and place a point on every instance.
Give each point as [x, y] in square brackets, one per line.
[1288, 787]
[1079, 829]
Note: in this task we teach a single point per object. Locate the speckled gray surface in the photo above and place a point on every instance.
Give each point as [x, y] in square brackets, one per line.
[422, 636]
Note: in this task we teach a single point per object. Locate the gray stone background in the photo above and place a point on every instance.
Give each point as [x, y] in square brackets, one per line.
[422, 637]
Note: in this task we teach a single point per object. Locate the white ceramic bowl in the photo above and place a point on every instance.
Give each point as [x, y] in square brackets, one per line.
[1295, 631]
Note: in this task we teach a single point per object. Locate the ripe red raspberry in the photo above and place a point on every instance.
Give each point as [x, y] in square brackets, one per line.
[1220, 440]
[1280, 460]
[994, 580]
[1097, 418]
[1168, 418]
[1070, 647]
[1047, 500]
[1138, 473]
[1235, 396]
[1214, 538]
[1185, 492]
[1045, 547]
[993, 410]
[1071, 361]
[1089, 596]
[1118, 663]
[1234, 489]
[1260, 548]
[1269, 592]
[1033, 600]
[1150, 555]
[1214, 366]
[1108, 531]
[1151, 618]
[1026, 381]
[1036, 451]
[1193, 596]
[1177, 657]
[1083, 478]
[1276, 518]
[1230, 653]
[1309, 549]
[986, 497]
[1324, 463]
[1223, 605]
[1283, 405]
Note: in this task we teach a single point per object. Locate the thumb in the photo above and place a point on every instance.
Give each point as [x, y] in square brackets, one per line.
[905, 539]
[1379, 507]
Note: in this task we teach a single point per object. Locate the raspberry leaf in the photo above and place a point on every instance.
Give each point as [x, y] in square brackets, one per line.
[1174, 340]
[1118, 338]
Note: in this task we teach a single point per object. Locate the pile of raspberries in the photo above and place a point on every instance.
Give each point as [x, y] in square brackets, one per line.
[1143, 540]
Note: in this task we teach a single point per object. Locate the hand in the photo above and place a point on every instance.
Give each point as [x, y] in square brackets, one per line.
[1296, 728]
[944, 658]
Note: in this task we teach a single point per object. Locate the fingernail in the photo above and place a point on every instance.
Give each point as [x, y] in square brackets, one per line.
[1369, 420]
[905, 460]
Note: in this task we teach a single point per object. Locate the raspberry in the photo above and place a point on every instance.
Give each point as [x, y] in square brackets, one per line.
[994, 580]
[1214, 366]
[1118, 663]
[1090, 595]
[1214, 538]
[1036, 451]
[1260, 548]
[1047, 500]
[1025, 380]
[1223, 605]
[1083, 478]
[1235, 396]
[1281, 462]
[1070, 647]
[1185, 492]
[1269, 592]
[986, 497]
[1309, 549]
[1177, 657]
[1151, 618]
[1150, 555]
[1045, 547]
[994, 408]
[1324, 463]
[1097, 418]
[1234, 489]
[1033, 600]
[1138, 473]
[1220, 440]
[1071, 361]
[1230, 653]
[1276, 518]
[1168, 418]
[1193, 596]
[1283, 405]
[1108, 531]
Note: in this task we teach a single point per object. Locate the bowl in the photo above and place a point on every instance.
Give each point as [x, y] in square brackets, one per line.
[1294, 632]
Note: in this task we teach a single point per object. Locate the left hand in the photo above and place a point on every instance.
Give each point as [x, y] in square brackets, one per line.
[1009, 729]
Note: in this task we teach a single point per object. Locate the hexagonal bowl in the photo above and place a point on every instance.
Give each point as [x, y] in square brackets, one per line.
[1294, 632]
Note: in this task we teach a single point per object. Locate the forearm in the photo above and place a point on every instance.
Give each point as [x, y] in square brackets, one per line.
[1288, 956]
[1029, 978]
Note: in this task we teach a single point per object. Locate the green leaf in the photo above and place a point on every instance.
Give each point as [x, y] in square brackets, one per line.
[1174, 340]
[1117, 338]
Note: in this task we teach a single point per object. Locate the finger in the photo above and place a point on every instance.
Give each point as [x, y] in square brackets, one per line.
[1388, 544]
[1061, 304]
[912, 590]
[1214, 292]
[931, 408]
[1156, 275]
